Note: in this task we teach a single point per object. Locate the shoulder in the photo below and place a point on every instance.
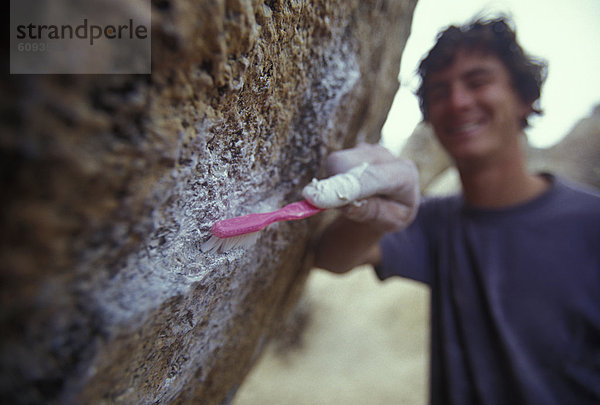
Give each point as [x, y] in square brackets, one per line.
[584, 190]
[577, 196]
[575, 204]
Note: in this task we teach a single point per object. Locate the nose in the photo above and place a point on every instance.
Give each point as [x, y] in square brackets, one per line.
[460, 98]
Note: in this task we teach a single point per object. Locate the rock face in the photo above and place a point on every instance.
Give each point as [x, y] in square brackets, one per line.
[111, 183]
[577, 155]
[428, 155]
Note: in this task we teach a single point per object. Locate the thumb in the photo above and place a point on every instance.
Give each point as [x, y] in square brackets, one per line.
[337, 191]
[396, 180]
[385, 214]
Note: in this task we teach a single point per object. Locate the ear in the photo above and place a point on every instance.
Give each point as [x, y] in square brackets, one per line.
[525, 110]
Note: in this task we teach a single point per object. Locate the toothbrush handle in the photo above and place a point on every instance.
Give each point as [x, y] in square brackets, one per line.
[297, 210]
[255, 222]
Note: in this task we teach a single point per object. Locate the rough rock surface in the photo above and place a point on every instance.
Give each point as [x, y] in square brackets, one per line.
[577, 155]
[111, 183]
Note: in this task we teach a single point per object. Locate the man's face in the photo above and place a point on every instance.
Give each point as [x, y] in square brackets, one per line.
[473, 107]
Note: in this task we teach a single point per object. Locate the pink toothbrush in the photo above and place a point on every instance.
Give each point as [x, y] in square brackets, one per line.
[243, 230]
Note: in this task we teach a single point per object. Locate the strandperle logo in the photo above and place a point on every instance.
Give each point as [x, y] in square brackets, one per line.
[80, 37]
[82, 31]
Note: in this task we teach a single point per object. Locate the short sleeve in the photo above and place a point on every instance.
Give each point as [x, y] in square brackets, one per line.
[406, 253]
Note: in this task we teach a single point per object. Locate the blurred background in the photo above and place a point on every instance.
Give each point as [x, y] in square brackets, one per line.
[355, 340]
[564, 33]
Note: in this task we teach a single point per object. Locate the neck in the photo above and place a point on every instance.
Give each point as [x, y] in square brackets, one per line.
[501, 182]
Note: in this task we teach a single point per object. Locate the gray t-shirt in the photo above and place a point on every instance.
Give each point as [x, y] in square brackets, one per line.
[515, 296]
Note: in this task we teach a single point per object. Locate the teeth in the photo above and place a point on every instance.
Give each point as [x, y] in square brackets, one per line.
[466, 127]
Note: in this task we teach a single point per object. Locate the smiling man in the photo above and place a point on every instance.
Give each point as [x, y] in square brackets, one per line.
[478, 105]
[513, 261]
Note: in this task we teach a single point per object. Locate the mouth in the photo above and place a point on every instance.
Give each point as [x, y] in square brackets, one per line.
[465, 128]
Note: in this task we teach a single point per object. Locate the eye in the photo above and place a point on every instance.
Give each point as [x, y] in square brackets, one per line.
[479, 80]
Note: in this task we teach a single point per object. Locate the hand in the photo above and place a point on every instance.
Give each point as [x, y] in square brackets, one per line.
[371, 185]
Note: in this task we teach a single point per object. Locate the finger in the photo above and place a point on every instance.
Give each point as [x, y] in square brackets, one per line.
[335, 191]
[344, 160]
[398, 180]
[381, 213]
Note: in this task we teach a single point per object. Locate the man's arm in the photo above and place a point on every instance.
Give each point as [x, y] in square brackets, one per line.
[388, 190]
[346, 244]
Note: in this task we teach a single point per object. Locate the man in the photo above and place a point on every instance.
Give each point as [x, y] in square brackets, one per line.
[513, 262]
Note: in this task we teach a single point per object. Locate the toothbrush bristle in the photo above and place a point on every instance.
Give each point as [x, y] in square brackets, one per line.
[219, 245]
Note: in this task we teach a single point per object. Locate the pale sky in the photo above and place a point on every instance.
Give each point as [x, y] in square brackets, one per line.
[565, 33]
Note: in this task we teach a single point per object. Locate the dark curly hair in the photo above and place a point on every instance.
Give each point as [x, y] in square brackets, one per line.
[495, 37]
